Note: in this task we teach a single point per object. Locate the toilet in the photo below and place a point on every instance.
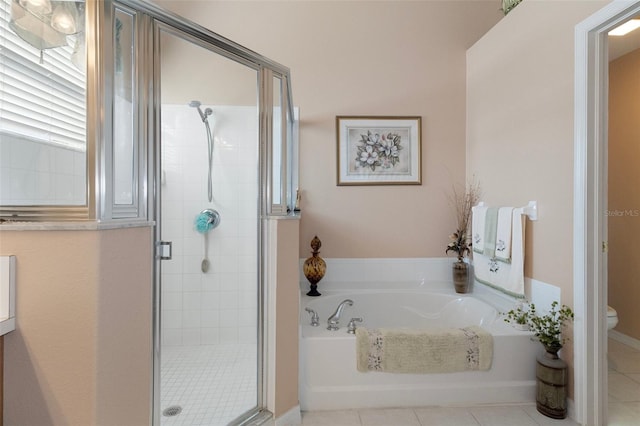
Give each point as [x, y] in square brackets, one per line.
[612, 318]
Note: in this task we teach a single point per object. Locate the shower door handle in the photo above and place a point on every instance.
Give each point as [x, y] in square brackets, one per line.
[163, 250]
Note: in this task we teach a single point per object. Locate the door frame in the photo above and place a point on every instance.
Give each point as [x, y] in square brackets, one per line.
[590, 204]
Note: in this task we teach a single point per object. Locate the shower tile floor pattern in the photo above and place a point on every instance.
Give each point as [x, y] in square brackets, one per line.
[213, 384]
[220, 390]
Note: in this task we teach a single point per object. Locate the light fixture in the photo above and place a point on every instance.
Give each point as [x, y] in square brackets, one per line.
[45, 24]
[64, 19]
[30, 26]
[41, 7]
[625, 28]
[79, 55]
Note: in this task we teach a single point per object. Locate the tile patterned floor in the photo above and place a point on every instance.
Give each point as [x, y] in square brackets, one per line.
[213, 384]
[624, 385]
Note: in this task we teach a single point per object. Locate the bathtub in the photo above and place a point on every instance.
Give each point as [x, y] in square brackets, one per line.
[328, 375]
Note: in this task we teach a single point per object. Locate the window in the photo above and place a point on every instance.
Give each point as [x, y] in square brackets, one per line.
[42, 107]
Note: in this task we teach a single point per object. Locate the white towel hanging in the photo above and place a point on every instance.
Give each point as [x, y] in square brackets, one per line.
[495, 268]
[503, 234]
[478, 216]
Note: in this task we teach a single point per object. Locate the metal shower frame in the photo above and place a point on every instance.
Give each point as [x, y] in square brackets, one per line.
[151, 22]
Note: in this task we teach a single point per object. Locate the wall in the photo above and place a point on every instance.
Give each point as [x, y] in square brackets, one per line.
[81, 351]
[366, 58]
[520, 80]
[287, 307]
[219, 306]
[624, 196]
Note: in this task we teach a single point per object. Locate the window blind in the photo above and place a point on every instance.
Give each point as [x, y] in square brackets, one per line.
[43, 102]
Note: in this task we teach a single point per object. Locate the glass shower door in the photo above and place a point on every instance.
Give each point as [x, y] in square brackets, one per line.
[208, 208]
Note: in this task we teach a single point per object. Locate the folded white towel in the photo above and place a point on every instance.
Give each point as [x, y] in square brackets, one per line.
[478, 215]
[503, 234]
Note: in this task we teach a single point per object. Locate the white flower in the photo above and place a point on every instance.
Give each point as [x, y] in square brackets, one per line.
[388, 148]
[368, 155]
[372, 139]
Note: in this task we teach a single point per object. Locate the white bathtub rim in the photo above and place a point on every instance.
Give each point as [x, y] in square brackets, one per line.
[499, 300]
[496, 327]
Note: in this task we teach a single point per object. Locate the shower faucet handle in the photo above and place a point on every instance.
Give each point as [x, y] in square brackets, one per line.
[315, 319]
[351, 327]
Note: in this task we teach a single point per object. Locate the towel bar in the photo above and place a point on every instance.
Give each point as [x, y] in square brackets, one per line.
[530, 210]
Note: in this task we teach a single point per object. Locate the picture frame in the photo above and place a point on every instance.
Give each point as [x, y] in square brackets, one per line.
[379, 150]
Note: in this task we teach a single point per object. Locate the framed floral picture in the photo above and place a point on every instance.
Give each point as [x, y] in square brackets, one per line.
[379, 150]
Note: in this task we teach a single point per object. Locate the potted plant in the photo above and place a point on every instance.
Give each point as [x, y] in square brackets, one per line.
[551, 371]
[461, 240]
[519, 317]
[547, 328]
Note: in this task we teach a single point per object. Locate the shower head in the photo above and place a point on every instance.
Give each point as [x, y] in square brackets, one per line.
[203, 115]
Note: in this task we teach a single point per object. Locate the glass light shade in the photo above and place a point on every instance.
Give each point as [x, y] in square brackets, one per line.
[42, 7]
[32, 30]
[64, 18]
[79, 56]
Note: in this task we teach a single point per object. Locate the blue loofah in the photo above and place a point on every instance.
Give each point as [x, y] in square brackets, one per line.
[203, 223]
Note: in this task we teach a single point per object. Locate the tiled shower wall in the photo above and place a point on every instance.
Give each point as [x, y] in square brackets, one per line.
[219, 306]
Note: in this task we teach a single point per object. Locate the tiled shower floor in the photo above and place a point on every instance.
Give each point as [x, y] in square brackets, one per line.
[213, 384]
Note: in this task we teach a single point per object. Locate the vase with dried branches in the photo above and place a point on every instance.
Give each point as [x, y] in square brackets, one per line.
[460, 241]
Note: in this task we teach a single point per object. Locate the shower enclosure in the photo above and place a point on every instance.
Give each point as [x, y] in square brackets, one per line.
[213, 170]
[209, 289]
[223, 152]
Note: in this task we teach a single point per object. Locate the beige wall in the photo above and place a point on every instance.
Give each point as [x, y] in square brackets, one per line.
[624, 194]
[520, 114]
[520, 79]
[81, 352]
[287, 326]
[366, 58]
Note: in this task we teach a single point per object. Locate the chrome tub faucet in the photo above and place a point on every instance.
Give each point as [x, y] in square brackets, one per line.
[334, 320]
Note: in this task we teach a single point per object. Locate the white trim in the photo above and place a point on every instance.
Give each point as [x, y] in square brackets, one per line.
[589, 265]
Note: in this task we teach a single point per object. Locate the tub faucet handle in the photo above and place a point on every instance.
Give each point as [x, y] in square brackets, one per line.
[315, 319]
[351, 327]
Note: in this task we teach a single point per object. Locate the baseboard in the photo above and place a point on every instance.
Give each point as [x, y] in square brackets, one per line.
[623, 338]
[290, 418]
